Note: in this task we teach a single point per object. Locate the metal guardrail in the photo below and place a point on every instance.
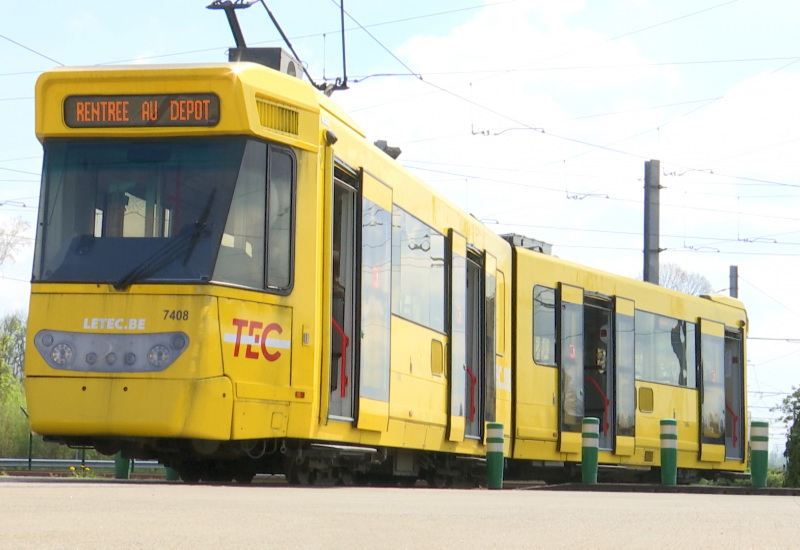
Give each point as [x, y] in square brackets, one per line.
[65, 463]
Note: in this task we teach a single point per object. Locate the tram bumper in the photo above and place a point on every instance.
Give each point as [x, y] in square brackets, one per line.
[130, 407]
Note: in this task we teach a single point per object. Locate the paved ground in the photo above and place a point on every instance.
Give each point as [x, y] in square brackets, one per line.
[79, 514]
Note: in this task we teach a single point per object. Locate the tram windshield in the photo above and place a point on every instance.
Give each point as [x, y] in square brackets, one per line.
[130, 211]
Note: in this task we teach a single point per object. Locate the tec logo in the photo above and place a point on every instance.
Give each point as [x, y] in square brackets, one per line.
[257, 339]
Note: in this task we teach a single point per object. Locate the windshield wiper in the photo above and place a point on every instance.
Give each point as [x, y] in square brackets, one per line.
[185, 240]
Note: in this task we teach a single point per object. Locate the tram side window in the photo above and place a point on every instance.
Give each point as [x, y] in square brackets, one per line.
[254, 254]
[665, 350]
[376, 261]
[418, 271]
[279, 221]
[241, 254]
[544, 325]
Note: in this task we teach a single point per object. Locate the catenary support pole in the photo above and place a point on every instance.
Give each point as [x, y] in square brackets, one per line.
[652, 201]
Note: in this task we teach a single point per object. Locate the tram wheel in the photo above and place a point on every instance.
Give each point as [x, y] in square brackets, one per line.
[438, 481]
[245, 478]
[300, 474]
[188, 472]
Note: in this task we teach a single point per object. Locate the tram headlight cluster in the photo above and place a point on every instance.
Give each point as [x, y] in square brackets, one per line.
[78, 351]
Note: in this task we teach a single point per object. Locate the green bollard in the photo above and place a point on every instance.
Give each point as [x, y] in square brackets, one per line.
[122, 467]
[590, 435]
[494, 454]
[172, 474]
[759, 453]
[669, 451]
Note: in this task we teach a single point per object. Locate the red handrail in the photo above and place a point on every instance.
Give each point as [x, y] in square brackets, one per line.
[606, 402]
[735, 421]
[345, 342]
[472, 380]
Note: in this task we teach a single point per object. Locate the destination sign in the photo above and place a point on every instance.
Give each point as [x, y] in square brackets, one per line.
[134, 111]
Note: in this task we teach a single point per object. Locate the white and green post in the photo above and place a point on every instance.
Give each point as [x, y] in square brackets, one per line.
[591, 441]
[669, 451]
[494, 454]
[759, 453]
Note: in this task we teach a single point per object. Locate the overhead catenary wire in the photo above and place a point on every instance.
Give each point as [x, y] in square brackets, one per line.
[574, 140]
[642, 29]
[40, 54]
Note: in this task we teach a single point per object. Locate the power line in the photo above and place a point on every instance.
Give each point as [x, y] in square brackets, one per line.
[20, 171]
[579, 141]
[637, 201]
[685, 16]
[40, 54]
[378, 41]
[319, 34]
[595, 67]
[781, 303]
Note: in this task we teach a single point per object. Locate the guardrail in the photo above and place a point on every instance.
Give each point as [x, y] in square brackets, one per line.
[65, 463]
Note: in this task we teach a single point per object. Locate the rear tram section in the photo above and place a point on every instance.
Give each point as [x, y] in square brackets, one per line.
[230, 279]
[591, 344]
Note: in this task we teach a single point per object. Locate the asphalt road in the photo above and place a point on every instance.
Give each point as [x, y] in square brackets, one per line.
[89, 514]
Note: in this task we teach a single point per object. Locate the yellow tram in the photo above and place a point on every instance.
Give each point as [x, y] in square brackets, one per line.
[230, 279]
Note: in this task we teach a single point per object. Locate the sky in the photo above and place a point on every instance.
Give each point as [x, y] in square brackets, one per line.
[535, 116]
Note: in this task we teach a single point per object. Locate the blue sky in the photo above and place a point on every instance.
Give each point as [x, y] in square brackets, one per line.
[535, 116]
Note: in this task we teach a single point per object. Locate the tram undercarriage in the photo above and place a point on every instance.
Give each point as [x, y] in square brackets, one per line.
[301, 462]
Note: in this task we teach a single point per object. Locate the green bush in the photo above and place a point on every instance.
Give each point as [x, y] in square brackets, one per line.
[15, 431]
[775, 477]
[14, 426]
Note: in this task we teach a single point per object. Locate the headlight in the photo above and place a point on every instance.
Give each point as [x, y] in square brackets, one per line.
[158, 356]
[61, 354]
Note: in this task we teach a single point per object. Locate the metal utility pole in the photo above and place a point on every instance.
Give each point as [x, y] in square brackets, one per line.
[652, 188]
[734, 287]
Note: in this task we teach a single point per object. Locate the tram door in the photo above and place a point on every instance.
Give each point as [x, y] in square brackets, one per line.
[569, 319]
[457, 378]
[344, 344]
[625, 377]
[734, 396]
[598, 367]
[712, 391]
[475, 351]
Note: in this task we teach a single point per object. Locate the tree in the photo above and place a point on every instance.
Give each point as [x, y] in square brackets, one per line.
[673, 276]
[13, 238]
[14, 426]
[12, 356]
[790, 417]
[9, 385]
[12, 343]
